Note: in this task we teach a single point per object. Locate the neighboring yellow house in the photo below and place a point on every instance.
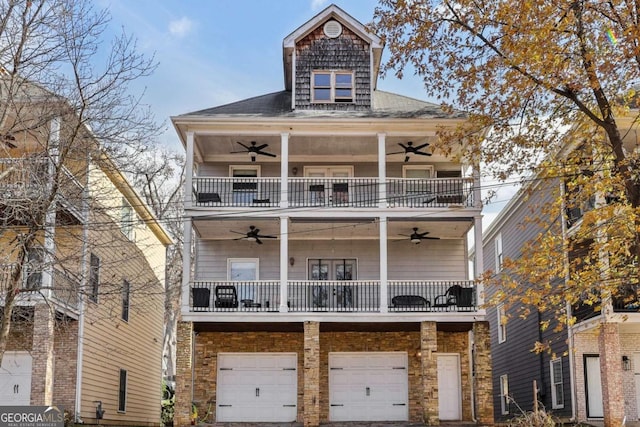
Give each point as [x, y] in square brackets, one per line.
[88, 321]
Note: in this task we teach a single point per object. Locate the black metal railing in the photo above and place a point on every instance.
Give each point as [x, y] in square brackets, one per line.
[333, 296]
[254, 192]
[420, 295]
[334, 192]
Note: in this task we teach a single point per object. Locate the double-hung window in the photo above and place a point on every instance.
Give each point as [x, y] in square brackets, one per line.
[94, 278]
[122, 391]
[126, 297]
[504, 394]
[557, 385]
[502, 324]
[126, 218]
[332, 86]
[499, 254]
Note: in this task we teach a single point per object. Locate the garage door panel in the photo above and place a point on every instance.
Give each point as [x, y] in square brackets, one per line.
[257, 387]
[15, 378]
[368, 386]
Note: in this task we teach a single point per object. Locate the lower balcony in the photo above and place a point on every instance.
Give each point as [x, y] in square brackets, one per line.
[333, 296]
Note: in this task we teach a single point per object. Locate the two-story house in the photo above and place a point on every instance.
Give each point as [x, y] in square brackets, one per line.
[87, 324]
[592, 368]
[325, 236]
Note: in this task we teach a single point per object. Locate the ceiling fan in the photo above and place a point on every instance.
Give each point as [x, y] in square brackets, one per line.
[254, 150]
[253, 235]
[409, 149]
[416, 237]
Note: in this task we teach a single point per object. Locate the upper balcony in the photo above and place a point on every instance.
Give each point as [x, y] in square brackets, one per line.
[344, 192]
[24, 181]
[62, 293]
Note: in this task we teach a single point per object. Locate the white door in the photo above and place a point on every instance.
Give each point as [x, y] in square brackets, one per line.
[15, 379]
[368, 386]
[449, 387]
[257, 387]
[593, 386]
[636, 374]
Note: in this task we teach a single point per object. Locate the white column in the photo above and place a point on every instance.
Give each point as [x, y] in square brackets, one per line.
[384, 305]
[50, 216]
[186, 265]
[284, 262]
[478, 260]
[382, 171]
[284, 170]
[188, 177]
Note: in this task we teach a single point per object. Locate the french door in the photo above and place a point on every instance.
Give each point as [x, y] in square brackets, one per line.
[334, 191]
[332, 295]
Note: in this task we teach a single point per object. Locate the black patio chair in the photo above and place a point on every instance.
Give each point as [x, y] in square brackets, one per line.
[226, 296]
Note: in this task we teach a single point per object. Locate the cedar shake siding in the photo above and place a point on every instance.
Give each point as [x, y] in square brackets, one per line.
[348, 52]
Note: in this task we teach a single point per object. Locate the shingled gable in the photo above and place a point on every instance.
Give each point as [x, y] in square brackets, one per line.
[331, 12]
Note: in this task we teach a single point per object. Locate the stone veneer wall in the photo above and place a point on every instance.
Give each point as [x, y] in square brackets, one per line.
[209, 344]
[182, 408]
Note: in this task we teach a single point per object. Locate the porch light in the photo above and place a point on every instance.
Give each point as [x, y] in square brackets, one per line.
[626, 363]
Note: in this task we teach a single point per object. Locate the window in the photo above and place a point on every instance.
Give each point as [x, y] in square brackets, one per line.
[122, 391]
[126, 219]
[245, 186]
[243, 270]
[499, 255]
[557, 385]
[502, 324]
[94, 278]
[332, 86]
[126, 295]
[33, 270]
[504, 394]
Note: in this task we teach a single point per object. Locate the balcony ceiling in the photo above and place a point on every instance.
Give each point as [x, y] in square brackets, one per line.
[365, 229]
[218, 148]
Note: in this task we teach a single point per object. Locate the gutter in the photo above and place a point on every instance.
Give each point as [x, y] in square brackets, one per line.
[81, 303]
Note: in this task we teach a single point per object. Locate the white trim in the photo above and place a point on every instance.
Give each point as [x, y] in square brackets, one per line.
[504, 394]
[233, 168]
[232, 260]
[499, 252]
[406, 168]
[306, 170]
[554, 396]
[502, 326]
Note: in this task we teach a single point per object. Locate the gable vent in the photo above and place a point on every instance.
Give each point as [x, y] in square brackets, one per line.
[332, 29]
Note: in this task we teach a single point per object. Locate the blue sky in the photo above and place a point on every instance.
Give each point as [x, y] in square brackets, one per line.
[212, 52]
[219, 51]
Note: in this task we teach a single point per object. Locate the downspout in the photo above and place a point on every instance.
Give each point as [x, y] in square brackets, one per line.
[83, 286]
[570, 337]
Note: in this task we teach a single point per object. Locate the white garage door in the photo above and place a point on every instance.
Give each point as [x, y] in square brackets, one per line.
[15, 379]
[368, 386]
[258, 387]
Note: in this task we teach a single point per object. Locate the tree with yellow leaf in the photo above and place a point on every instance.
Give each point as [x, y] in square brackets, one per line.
[551, 87]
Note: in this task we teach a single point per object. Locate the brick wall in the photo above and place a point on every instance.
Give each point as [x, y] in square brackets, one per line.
[42, 355]
[587, 343]
[66, 360]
